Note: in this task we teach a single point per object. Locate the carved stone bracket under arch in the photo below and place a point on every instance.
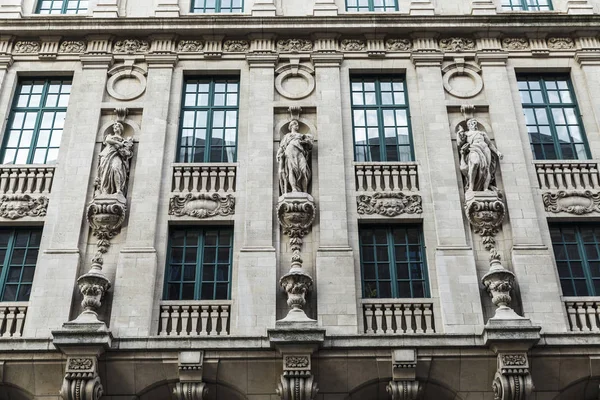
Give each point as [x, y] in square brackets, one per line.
[127, 71]
[295, 70]
[462, 68]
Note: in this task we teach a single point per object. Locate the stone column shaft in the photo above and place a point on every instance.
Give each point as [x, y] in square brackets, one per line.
[335, 259]
[57, 267]
[531, 259]
[137, 265]
[257, 267]
[455, 262]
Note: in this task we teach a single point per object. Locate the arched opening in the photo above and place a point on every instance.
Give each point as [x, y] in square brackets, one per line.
[375, 390]
[10, 392]
[584, 389]
[164, 391]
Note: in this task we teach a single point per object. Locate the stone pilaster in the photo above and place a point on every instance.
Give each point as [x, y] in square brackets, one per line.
[335, 258]
[264, 8]
[421, 7]
[6, 61]
[58, 265]
[531, 259]
[167, 8]
[257, 265]
[325, 8]
[134, 286]
[404, 384]
[455, 262]
[106, 9]
[11, 9]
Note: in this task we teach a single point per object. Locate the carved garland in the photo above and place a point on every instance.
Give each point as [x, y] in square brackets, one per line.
[389, 204]
[573, 202]
[202, 205]
[14, 206]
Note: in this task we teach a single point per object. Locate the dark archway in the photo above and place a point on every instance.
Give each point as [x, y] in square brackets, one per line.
[584, 389]
[375, 390]
[163, 391]
[10, 392]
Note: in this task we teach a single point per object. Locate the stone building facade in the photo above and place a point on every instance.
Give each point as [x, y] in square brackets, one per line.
[286, 199]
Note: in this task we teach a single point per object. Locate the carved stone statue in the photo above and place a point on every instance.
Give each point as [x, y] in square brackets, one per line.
[113, 166]
[478, 158]
[293, 157]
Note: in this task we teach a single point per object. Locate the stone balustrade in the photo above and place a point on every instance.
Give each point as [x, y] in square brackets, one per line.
[194, 318]
[397, 316]
[204, 178]
[26, 179]
[386, 176]
[567, 175]
[12, 318]
[584, 313]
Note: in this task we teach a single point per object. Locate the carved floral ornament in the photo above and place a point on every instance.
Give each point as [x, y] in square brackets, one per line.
[131, 46]
[190, 46]
[294, 45]
[561, 43]
[202, 205]
[577, 202]
[14, 206]
[72, 47]
[515, 43]
[397, 45]
[26, 47]
[389, 204]
[353, 45]
[236, 46]
[457, 44]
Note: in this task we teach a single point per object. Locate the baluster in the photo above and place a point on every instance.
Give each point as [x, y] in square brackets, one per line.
[22, 180]
[20, 320]
[377, 177]
[175, 320]
[195, 179]
[214, 316]
[30, 180]
[369, 177]
[176, 180]
[413, 178]
[3, 324]
[185, 316]
[48, 179]
[164, 317]
[576, 176]
[39, 180]
[10, 320]
[12, 187]
[396, 177]
[222, 176]
[4, 180]
[585, 176]
[230, 179]
[551, 177]
[595, 325]
[213, 179]
[387, 310]
[594, 176]
[558, 175]
[368, 308]
[204, 178]
[407, 316]
[396, 315]
[187, 176]
[359, 175]
[581, 317]
[539, 169]
[428, 313]
[591, 316]
[378, 319]
[387, 178]
[572, 313]
[404, 177]
[195, 320]
[224, 320]
[204, 317]
[418, 318]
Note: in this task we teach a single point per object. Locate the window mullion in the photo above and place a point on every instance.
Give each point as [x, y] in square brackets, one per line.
[392, 257]
[209, 121]
[38, 123]
[584, 261]
[550, 116]
[199, 265]
[7, 257]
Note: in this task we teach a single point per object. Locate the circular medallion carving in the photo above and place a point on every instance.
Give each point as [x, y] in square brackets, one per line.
[462, 80]
[126, 82]
[295, 81]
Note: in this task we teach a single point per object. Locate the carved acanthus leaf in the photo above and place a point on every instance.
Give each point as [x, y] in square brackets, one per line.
[515, 43]
[353, 45]
[72, 46]
[190, 46]
[397, 44]
[202, 205]
[561, 43]
[236, 46]
[26, 47]
[389, 204]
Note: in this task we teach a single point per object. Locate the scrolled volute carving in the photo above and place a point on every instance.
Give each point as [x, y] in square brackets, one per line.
[81, 381]
[512, 380]
[397, 44]
[297, 388]
[190, 391]
[485, 211]
[26, 47]
[190, 46]
[404, 390]
[515, 43]
[561, 43]
[353, 45]
[202, 205]
[72, 47]
[15, 206]
[236, 46]
[296, 215]
[575, 202]
[389, 204]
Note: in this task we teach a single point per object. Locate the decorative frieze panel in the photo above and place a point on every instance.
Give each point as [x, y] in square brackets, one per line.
[389, 204]
[190, 46]
[457, 44]
[352, 45]
[72, 47]
[26, 47]
[573, 202]
[15, 206]
[398, 45]
[294, 45]
[202, 205]
[236, 46]
[561, 43]
[131, 46]
[515, 44]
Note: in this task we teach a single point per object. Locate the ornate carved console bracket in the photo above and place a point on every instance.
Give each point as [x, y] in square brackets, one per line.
[297, 382]
[81, 380]
[512, 380]
[296, 211]
[190, 385]
[404, 384]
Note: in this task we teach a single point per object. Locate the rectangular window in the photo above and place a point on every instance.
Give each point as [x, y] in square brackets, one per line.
[577, 254]
[552, 116]
[36, 122]
[217, 6]
[527, 5]
[393, 262]
[371, 5]
[18, 254]
[199, 264]
[62, 6]
[380, 119]
[209, 120]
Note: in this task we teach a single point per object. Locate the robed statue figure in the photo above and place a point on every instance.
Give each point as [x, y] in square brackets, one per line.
[478, 158]
[113, 165]
[293, 157]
